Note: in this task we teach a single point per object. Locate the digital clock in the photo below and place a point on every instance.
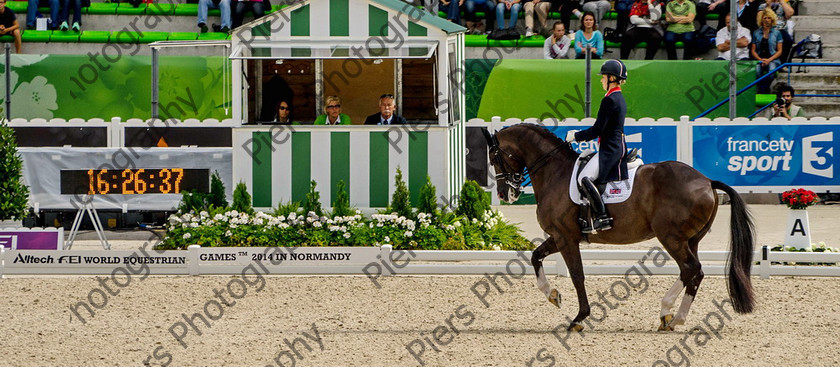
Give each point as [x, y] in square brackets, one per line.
[134, 181]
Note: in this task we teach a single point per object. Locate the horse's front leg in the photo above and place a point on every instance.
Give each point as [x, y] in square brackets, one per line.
[571, 255]
[548, 247]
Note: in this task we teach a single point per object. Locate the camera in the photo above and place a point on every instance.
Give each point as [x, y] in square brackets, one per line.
[781, 102]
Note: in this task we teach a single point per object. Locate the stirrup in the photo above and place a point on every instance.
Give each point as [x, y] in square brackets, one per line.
[602, 224]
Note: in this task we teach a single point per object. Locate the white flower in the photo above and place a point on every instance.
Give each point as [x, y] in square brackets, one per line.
[457, 224]
[228, 233]
[497, 248]
[292, 216]
[233, 226]
[194, 225]
[203, 214]
[316, 224]
[233, 213]
[173, 219]
[347, 235]
[387, 239]
[408, 233]
[187, 235]
[284, 225]
[308, 219]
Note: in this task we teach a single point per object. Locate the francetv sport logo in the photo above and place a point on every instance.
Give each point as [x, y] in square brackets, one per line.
[752, 155]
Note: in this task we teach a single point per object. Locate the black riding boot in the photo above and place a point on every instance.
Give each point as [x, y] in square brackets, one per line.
[601, 220]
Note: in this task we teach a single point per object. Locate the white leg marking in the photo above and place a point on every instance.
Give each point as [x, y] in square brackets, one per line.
[682, 313]
[671, 297]
[542, 283]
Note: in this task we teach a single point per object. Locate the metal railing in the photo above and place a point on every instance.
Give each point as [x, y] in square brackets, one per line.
[769, 75]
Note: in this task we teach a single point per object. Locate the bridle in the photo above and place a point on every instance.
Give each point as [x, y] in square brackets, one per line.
[507, 174]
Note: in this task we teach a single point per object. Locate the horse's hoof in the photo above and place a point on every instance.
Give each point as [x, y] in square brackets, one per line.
[575, 326]
[665, 323]
[554, 297]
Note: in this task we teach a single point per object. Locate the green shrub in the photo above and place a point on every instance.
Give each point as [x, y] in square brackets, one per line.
[313, 200]
[14, 195]
[242, 199]
[341, 205]
[473, 201]
[287, 208]
[401, 199]
[216, 197]
[428, 199]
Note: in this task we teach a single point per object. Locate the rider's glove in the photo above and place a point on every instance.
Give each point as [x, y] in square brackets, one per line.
[570, 136]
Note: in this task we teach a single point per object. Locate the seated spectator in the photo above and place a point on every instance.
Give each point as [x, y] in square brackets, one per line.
[622, 9]
[387, 113]
[747, 12]
[722, 41]
[566, 9]
[541, 7]
[257, 7]
[77, 15]
[452, 8]
[333, 115]
[474, 25]
[680, 16]
[787, 110]
[284, 113]
[9, 24]
[510, 6]
[589, 38]
[32, 10]
[597, 7]
[784, 25]
[204, 7]
[706, 7]
[766, 47]
[644, 27]
[557, 46]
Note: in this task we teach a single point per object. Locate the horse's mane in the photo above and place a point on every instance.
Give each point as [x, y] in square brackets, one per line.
[544, 133]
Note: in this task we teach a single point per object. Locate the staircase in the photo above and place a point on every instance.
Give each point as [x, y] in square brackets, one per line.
[823, 18]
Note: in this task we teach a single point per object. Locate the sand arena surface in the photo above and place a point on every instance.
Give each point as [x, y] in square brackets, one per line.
[795, 323]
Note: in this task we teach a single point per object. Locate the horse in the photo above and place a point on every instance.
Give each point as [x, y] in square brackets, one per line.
[670, 201]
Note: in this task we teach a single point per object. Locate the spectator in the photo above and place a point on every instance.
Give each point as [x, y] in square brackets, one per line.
[452, 8]
[9, 24]
[784, 25]
[589, 38]
[566, 9]
[742, 44]
[747, 12]
[766, 47]
[387, 113]
[680, 16]
[706, 7]
[333, 115]
[597, 7]
[474, 25]
[644, 27]
[77, 15]
[204, 7]
[557, 46]
[786, 109]
[284, 113]
[32, 9]
[242, 6]
[623, 8]
[511, 6]
[542, 7]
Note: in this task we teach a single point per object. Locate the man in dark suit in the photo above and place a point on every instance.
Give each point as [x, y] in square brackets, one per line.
[386, 115]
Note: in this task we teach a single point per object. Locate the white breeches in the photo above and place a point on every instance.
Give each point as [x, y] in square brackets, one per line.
[590, 169]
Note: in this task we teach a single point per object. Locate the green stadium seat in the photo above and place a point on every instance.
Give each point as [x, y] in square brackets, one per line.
[95, 36]
[160, 8]
[35, 36]
[183, 36]
[215, 12]
[102, 8]
[186, 9]
[149, 37]
[762, 100]
[128, 9]
[19, 7]
[7, 38]
[64, 36]
[212, 36]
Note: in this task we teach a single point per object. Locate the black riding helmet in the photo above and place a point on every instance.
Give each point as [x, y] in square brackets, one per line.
[615, 68]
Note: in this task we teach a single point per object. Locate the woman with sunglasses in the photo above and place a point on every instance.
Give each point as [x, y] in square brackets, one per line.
[283, 114]
[333, 115]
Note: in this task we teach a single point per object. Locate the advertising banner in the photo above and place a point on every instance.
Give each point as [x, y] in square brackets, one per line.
[32, 239]
[768, 157]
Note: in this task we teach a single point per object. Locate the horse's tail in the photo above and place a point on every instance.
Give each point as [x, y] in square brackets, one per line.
[741, 251]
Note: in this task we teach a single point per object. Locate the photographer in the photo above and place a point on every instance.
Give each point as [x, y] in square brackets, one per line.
[784, 107]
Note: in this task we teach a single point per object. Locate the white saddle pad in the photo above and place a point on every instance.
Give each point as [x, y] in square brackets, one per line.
[616, 191]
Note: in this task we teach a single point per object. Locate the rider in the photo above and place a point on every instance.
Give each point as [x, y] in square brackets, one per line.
[609, 129]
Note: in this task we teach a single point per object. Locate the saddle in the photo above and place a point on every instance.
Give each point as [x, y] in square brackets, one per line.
[615, 192]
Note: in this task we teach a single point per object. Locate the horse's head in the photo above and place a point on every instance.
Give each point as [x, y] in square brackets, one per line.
[510, 170]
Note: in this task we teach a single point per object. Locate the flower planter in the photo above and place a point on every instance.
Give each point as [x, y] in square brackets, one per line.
[798, 232]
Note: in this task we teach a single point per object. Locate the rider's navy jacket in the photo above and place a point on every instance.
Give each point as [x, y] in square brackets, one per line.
[609, 129]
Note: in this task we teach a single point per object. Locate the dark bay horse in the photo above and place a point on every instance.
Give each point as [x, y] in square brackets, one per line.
[670, 201]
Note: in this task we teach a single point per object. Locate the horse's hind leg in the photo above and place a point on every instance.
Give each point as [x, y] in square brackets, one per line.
[548, 247]
[665, 316]
[691, 274]
[571, 255]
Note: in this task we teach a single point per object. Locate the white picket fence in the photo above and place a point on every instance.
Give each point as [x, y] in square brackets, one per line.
[383, 261]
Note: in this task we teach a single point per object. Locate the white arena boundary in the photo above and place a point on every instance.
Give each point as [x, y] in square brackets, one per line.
[383, 261]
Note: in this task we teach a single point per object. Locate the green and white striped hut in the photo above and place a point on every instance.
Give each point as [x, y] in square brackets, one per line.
[358, 50]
